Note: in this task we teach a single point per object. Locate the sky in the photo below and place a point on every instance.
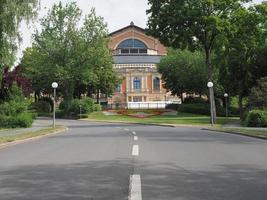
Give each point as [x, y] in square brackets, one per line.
[116, 13]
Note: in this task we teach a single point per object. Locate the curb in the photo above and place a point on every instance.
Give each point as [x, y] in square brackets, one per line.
[138, 123]
[237, 133]
[13, 143]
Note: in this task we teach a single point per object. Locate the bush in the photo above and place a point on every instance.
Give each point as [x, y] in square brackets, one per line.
[77, 105]
[22, 120]
[97, 107]
[193, 100]
[256, 118]
[13, 108]
[43, 106]
[48, 100]
[199, 108]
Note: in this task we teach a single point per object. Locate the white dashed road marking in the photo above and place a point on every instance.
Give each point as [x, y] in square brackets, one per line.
[135, 138]
[135, 151]
[134, 133]
[135, 188]
[126, 129]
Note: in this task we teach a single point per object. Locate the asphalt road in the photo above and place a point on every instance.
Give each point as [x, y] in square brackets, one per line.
[97, 160]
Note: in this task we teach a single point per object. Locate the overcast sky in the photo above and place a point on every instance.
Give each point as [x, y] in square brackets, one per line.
[117, 13]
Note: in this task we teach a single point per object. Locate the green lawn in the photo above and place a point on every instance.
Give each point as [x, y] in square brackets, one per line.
[244, 131]
[22, 136]
[181, 118]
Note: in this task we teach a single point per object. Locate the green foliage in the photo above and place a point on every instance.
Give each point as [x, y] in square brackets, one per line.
[77, 106]
[193, 100]
[43, 107]
[11, 14]
[238, 65]
[258, 95]
[13, 108]
[256, 118]
[203, 109]
[97, 107]
[21, 120]
[184, 71]
[74, 54]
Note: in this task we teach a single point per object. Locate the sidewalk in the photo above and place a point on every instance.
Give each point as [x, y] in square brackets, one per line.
[38, 124]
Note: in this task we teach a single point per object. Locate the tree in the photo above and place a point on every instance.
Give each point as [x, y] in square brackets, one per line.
[12, 12]
[67, 52]
[183, 71]
[192, 24]
[238, 62]
[11, 78]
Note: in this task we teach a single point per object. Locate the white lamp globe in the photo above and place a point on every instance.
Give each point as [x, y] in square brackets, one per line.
[210, 84]
[225, 95]
[54, 85]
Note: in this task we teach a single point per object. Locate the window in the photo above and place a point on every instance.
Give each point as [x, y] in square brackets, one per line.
[118, 88]
[132, 43]
[132, 46]
[137, 99]
[156, 83]
[137, 83]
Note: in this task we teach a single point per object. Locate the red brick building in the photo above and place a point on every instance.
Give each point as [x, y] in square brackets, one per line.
[135, 57]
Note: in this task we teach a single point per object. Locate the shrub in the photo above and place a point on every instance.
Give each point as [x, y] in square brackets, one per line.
[199, 108]
[77, 105]
[22, 120]
[97, 107]
[43, 106]
[193, 100]
[48, 100]
[256, 118]
[13, 108]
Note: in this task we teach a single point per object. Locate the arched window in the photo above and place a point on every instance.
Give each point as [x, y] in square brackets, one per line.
[156, 83]
[132, 46]
[137, 83]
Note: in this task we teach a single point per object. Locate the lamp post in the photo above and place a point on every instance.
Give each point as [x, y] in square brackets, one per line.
[210, 86]
[226, 104]
[54, 86]
[80, 111]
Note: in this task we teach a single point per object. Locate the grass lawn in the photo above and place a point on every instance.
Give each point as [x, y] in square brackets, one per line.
[244, 131]
[22, 136]
[181, 118]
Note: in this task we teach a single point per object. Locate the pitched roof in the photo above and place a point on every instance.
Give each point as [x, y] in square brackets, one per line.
[126, 27]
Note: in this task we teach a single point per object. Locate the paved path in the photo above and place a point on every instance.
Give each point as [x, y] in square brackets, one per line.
[134, 162]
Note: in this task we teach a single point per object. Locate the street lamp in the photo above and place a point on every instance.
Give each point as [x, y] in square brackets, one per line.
[54, 86]
[80, 111]
[226, 105]
[210, 86]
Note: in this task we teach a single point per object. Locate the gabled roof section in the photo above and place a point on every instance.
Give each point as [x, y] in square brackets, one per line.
[126, 27]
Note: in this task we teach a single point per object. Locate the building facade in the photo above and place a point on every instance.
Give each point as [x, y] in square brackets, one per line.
[135, 57]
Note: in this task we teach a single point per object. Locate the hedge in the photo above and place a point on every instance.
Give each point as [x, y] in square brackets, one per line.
[23, 120]
[256, 118]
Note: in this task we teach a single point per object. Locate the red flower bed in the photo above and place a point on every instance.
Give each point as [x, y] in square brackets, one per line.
[140, 114]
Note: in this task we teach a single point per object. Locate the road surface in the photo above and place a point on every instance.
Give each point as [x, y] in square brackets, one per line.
[94, 161]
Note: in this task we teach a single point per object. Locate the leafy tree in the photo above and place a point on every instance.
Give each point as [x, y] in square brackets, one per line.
[238, 69]
[193, 24]
[12, 12]
[11, 78]
[67, 52]
[183, 71]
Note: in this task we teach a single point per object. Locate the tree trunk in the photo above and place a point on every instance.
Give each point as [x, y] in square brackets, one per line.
[98, 96]
[240, 104]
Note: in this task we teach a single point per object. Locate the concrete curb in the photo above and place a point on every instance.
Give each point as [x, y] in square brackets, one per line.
[237, 133]
[138, 123]
[9, 144]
